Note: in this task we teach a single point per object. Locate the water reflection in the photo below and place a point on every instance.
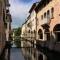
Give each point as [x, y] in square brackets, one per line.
[16, 54]
[35, 54]
[30, 54]
[5, 55]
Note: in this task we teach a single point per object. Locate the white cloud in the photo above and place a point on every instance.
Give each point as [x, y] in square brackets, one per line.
[19, 12]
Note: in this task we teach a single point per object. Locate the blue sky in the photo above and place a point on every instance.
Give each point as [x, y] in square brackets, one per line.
[19, 11]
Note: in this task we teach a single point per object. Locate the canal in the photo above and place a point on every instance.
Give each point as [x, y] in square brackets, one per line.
[16, 54]
[31, 53]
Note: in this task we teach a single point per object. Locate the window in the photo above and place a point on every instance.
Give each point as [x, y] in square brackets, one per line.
[41, 17]
[41, 36]
[5, 24]
[48, 14]
[52, 12]
[3, 15]
[44, 15]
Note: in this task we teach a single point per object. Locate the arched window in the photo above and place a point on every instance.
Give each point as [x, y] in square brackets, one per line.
[45, 15]
[48, 14]
[29, 31]
[40, 33]
[52, 12]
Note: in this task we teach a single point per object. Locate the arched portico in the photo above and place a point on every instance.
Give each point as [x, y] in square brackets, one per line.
[47, 33]
[56, 31]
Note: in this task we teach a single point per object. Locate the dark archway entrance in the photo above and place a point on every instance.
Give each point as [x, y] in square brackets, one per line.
[40, 33]
[40, 57]
[56, 30]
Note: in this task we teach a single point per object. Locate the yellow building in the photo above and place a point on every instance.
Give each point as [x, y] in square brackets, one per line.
[29, 29]
[48, 25]
[48, 20]
[43, 27]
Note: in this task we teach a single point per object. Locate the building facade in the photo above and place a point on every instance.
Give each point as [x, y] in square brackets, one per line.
[2, 31]
[48, 19]
[8, 21]
[4, 4]
[29, 29]
[43, 26]
[48, 22]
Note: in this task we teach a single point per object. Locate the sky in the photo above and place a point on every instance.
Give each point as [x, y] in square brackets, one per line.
[19, 11]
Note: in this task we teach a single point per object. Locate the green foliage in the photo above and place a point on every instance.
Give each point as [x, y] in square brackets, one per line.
[17, 40]
[18, 32]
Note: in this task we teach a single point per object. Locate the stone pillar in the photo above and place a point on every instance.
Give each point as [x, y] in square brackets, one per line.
[7, 31]
[44, 35]
[35, 44]
[37, 53]
[44, 57]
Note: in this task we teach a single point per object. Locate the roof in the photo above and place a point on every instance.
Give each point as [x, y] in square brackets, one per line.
[33, 7]
[41, 5]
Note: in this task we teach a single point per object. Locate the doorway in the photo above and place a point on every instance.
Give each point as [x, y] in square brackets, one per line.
[57, 32]
[58, 36]
[40, 57]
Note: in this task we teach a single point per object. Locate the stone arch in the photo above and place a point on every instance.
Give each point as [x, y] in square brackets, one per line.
[56, 31]
[56, 28]
[40, 33]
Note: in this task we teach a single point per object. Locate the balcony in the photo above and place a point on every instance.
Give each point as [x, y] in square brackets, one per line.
[45, 23]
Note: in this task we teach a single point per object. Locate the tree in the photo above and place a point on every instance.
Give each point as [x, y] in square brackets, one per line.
[18, 31]
[17, 40]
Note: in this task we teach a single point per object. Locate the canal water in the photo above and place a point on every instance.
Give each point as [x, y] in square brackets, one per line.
[13, 53]
[16, 54]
